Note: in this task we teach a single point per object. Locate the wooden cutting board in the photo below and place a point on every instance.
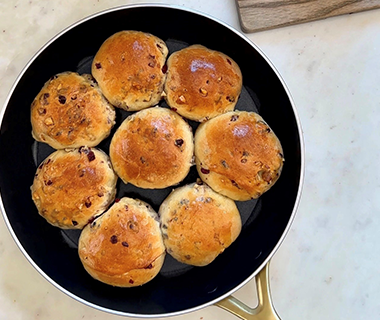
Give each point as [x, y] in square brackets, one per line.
[259, 15]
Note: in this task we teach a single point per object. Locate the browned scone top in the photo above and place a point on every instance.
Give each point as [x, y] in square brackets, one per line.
[71, 188]
[198, 224]
[202, 83]
[70, 111]
[129, 68]
[152, 148]
[238, 155]
[124, 246]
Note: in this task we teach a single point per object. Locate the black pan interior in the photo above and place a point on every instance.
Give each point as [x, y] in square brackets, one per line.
[178, 287]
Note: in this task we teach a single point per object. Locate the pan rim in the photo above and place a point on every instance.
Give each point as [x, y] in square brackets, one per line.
[301, 178]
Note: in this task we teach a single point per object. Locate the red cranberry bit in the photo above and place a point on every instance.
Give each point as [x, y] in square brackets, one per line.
[229, 61]
[53, 77]
[149, 267]
[174, 109]
[98, 65]
[88, 204]
[188, 257]
[41, 165]
[164, 68]
[62, 99]
[113, 239]
[100, 194]
[151, 64]
[234, 118]
[205, 171]
[178, 142]
[131, 281]
[125, 244]
[230, 99]
[91, 220]
[74, 97]
[117, 200]
[158, 46]
[74, 222]
[48, 161]
[49, 182]
[91, 156]
[126, 208]
[235, 184]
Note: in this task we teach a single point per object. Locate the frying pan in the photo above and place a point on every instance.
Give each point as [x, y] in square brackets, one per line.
[178, 288]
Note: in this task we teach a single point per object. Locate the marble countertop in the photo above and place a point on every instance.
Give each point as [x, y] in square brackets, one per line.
[327, 267]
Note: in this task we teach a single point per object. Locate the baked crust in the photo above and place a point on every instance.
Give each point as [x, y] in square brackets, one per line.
[129, 69]
[238, 155]
[124, 246]
[70, 112]
[202, 83]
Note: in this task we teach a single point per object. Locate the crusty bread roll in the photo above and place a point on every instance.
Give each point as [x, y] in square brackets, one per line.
[71, 188]
[198, 224]
[70, 112]
[129, 68]
[124, 246]
[202, 83]
[152, 148]
[238, 155]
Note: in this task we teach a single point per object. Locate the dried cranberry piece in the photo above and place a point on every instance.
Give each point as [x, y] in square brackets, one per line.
[117, 200]
[149, 267]
[178, 142]
[113, 239]
[125, 244]
[88, 204]
[205, 171]
[98, 65]
[131, 281]
[234, 117]
[126, 208]
[62, 99]
[75, 223]
[49, 182]
[229, 61]
[164, 68]
[174, 109]
[91, 220]
[91, 156]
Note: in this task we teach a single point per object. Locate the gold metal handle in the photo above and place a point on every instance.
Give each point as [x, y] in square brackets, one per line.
[264, 310]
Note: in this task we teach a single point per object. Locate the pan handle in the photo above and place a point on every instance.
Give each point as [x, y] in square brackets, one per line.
[264, 310]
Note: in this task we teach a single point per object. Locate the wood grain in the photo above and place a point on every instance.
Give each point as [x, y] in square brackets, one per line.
[258, 15]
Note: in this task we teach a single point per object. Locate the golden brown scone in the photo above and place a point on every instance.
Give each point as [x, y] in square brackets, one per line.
[124, 246]
[202, 83]
[198, 224]
[152, 149]
[71, 188]
[70, 112]
[238, 155]
[129, 68]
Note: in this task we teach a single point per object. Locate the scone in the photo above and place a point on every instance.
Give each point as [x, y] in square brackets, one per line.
[238, 155]
[202, 83]
[198, 224]
[130, 69]
[71, 188]
[152, 149]
[124, 246]
[70, 112]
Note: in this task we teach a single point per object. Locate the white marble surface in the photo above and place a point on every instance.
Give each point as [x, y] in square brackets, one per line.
[327, 268]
